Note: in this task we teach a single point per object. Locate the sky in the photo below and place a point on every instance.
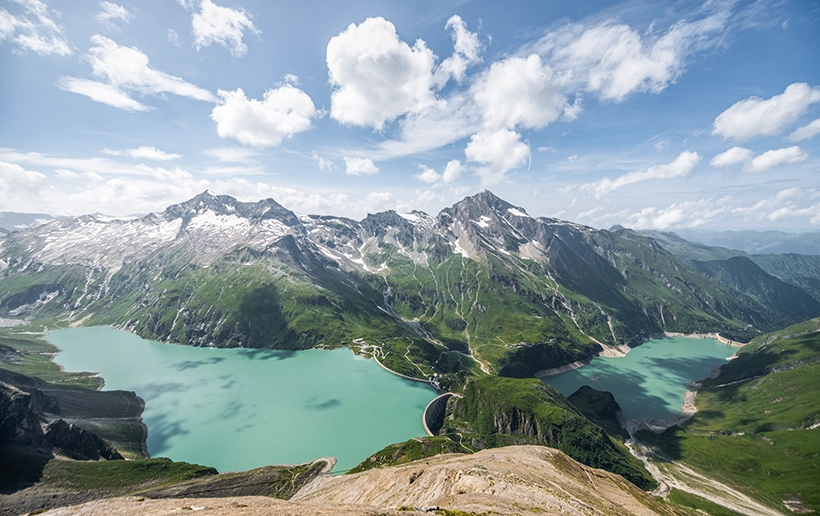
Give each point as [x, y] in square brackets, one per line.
[649, 114]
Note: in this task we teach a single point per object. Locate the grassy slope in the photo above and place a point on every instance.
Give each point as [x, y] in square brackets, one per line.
[754, 432]
[497, 411]
[601, 408]
[503, 411]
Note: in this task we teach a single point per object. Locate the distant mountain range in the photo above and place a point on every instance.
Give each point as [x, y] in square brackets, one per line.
[11, 221]
[757, 242]
[481, 285]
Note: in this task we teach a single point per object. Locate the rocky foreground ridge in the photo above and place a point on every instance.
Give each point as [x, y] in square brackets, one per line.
[512, 480]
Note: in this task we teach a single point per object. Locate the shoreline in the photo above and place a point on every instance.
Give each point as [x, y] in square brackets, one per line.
[428, 382]
[622, 350]
[688, 409]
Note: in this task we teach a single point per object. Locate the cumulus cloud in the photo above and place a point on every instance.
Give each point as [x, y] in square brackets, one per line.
[377, 76]
[111, 12]
[773, 158]
[765, 117]
[144, 152]
[378, 79]
[360, 167]
[427, 175]
[379, 201]
[452, 172]
[682, 166]
[613, 60]
[466, 50]
[807, 132]
[519, 92]
[87, 185]
[733, 156]
[33, 29]
[89, 192]
[282, 113]
[21, 187]
[499, 150]
[684, 214]
[221, 25]
[123, 70]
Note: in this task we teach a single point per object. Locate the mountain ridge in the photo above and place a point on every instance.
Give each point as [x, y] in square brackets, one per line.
[481, 285]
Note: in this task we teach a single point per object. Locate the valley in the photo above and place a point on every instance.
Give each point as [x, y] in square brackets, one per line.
[476, 300]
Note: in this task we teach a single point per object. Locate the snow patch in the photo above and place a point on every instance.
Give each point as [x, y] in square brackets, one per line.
[457, 249]
[483, 222]
[210, 218]
[410, 217]
[518, 213]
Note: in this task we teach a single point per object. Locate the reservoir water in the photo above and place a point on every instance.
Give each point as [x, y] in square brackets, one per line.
[650, 381]
[237, 409]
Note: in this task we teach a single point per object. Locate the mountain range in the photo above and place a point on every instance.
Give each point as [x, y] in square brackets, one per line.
[482, 285]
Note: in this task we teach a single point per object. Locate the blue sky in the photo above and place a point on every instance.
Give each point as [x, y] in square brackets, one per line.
[655, 115]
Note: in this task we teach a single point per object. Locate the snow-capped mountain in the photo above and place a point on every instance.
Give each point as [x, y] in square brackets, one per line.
[480, 285]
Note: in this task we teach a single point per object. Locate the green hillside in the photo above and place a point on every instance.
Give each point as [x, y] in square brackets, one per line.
[757, 423]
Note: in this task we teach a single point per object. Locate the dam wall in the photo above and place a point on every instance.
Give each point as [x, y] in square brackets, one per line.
[434, 413]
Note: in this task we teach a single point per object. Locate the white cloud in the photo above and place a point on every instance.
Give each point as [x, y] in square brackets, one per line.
[81, 189]
[773, 158]
[465, 52]
[807, 132]
[379, 201]
[684, 214]
[377, 76]
[173, 37]
[682, 166]
[280, 114]
[231, 154]
[102, 92]
[359, 167]
[519, 91]
[452, 172]
[21, 188]
[427, 175]
[144, 152]
[500, 150]
[614, 60]
[34, 29]
[322, 163]
[755, 116]
[221, 25]
[126, 69]
[440, 125]
[662, 144]
[111, 12]
[103, 166]
[188, 4]
[733, 156]
[62, 173]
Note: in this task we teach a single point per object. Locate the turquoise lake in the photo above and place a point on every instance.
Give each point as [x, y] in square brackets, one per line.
[237, 409]
[650, 381]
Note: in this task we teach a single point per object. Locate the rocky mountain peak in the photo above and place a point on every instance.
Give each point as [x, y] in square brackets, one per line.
[227, 205]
